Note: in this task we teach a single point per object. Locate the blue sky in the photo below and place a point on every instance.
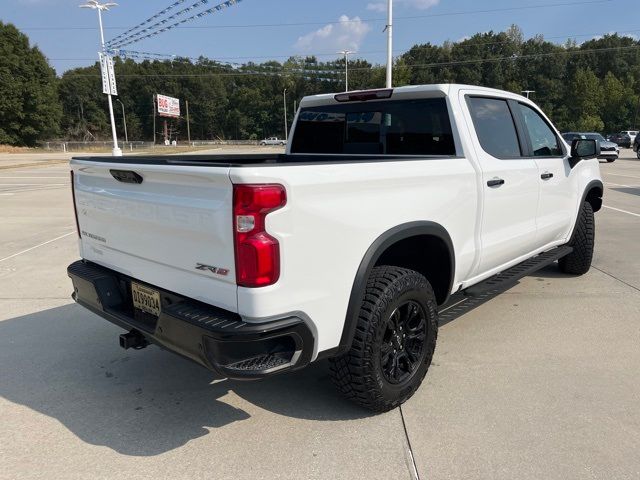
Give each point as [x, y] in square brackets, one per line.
[68, 35]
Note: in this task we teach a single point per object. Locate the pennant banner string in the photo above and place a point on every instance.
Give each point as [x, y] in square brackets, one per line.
[149, 32]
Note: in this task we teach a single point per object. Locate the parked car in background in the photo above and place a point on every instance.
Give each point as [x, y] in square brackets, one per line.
[609, 151]
[273, 141]
[636, 145]
[632, 133]
[621, 139]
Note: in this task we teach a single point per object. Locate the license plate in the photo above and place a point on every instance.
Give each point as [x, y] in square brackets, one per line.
[145, 299]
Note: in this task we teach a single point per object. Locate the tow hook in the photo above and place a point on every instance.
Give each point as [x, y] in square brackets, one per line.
[134, 339]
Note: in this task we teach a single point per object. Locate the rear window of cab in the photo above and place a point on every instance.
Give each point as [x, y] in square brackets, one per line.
[400, 127]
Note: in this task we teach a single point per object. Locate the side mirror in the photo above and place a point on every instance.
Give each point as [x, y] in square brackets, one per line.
[583, 149]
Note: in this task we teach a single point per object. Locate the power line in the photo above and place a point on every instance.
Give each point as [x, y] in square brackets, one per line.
[333, 54]
[516, 57]
[424, 65]
[124, 54]
[334, 22]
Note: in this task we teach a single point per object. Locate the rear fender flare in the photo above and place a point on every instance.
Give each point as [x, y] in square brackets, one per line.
[382, 243]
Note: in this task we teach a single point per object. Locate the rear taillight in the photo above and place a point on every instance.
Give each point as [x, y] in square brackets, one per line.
[257, 252]
[75, 208]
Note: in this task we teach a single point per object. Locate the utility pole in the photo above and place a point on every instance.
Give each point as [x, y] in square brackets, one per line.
[154, 120]
[186, 102]
[527, 92]
[286, 125]
[93, 4]
[346, 54]
[124, 120]
[389, 29]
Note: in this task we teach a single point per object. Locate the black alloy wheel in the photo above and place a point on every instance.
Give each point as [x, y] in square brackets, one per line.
[403, 343]
[393, 342]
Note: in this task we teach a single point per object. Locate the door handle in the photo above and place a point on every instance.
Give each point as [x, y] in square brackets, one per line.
[546, 176]
[495, 182]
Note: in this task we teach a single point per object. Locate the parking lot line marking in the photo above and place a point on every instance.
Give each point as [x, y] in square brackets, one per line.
[623, 211]
[619, 185]
[620, 175]
[451, 306]
[29, 178]
[46, 187]
[37, 246]
[31, 184]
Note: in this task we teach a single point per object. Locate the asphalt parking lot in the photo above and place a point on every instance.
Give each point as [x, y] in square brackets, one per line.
[542, 381]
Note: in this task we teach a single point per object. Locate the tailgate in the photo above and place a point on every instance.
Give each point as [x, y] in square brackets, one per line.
[173, 229]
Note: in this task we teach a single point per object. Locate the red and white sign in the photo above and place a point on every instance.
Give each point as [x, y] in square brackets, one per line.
[168, 106]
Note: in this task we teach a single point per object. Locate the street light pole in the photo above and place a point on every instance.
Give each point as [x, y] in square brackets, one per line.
[389, 29]
[124, 120]
[346, 54]
[93, 4]
[286, 125]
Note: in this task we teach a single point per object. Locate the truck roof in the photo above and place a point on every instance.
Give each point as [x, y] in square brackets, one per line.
[410, 91]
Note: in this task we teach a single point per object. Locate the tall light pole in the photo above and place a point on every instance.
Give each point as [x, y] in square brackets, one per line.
[389, 30]
[346, 54]
[286, 126]
[527, 92]
[95, 5]
[124, 120]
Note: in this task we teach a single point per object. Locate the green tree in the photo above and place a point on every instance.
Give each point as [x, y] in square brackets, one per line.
[578, 86]
[29, 105]
[586, 99]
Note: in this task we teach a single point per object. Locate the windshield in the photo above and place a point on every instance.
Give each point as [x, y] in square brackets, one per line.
[595, 136]
[403, 127]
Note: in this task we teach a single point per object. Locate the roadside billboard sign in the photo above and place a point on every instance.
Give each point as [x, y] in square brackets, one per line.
[168, 106]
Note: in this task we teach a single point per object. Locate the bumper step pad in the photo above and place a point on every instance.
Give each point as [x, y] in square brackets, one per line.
[267, 362]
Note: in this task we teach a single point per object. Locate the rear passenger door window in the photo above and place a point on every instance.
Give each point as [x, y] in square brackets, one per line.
[544, 141]
[495, 127]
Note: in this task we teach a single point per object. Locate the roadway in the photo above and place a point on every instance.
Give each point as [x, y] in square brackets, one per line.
[539, 382]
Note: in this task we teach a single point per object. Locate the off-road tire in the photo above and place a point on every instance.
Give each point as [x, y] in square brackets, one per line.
[578, 262]
[358, 374]
[611, 160]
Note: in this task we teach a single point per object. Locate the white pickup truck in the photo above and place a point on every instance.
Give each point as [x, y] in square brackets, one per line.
[386, 204]
[272, 141]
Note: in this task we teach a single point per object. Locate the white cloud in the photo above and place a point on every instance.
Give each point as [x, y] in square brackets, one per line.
[418, 4]
[348, 33]
[377, 7]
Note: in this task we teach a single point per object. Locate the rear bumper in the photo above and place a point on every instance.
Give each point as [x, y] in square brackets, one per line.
[215, 338]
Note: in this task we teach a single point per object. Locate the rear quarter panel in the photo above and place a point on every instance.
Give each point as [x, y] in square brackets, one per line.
[335, 212]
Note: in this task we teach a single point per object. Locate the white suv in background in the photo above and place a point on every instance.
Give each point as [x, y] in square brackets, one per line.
[632, 134]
